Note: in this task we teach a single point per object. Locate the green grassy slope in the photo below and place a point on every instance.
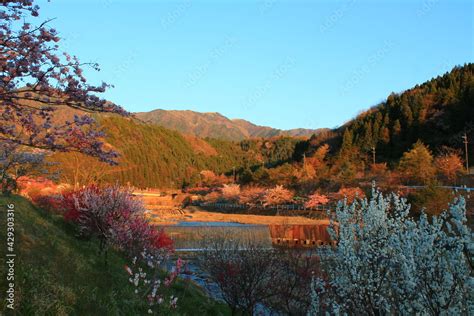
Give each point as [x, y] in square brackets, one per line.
[58, 274]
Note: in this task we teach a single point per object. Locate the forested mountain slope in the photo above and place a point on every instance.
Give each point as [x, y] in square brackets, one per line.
[152, 156]
[436, 112]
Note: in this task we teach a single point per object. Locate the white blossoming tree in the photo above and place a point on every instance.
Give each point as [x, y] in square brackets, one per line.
[386, 262]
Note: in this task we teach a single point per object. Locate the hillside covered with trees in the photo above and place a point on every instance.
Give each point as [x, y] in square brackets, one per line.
[151, 156]
[437, 112]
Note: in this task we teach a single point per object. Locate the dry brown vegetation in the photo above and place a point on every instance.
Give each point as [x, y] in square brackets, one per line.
[195, 214]
[200, 146]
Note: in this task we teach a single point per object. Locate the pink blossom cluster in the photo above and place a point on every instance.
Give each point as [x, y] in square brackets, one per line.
[277, 195]
[115, 216]
[36, 79]
[316, 199]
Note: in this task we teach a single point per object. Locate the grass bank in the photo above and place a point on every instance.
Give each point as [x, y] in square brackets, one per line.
[58, 274]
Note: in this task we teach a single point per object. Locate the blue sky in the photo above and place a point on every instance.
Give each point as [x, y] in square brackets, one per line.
[284, 64]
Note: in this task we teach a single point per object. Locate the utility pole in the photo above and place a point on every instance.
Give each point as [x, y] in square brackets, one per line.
[465, 140]
[373, 155]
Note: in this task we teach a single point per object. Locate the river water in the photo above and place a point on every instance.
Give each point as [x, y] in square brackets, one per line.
[191, 238]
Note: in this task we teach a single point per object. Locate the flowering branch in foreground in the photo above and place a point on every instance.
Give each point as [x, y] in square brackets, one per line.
[36, 79]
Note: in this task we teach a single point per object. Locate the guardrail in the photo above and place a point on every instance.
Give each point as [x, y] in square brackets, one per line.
[456, 188]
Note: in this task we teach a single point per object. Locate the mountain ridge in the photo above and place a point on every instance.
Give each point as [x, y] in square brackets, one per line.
[216, 125]
[437, 112]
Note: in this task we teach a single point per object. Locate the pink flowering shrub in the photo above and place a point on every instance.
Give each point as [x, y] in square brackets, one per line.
[231, 192]
[136, 234]
[213, 197]
[114, 216]
[252, 196]
[316, 199]
[277, 195]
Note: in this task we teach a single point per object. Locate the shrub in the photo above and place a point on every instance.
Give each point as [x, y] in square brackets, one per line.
[277, 195]
[33, 187]
[243, 271]
[199, 190]
[388, 263]
[252, 196]
[316, 199]
[213, 197]
[249, 273]
[449, 166]
[231, 192]
[294, 271]
[114, 216]
[135, 234]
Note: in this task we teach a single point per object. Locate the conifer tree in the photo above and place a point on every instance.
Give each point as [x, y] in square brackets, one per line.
[416, 165]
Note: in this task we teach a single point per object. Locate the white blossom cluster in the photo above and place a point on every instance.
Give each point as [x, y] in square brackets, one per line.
[386, 262]
[150, 285]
